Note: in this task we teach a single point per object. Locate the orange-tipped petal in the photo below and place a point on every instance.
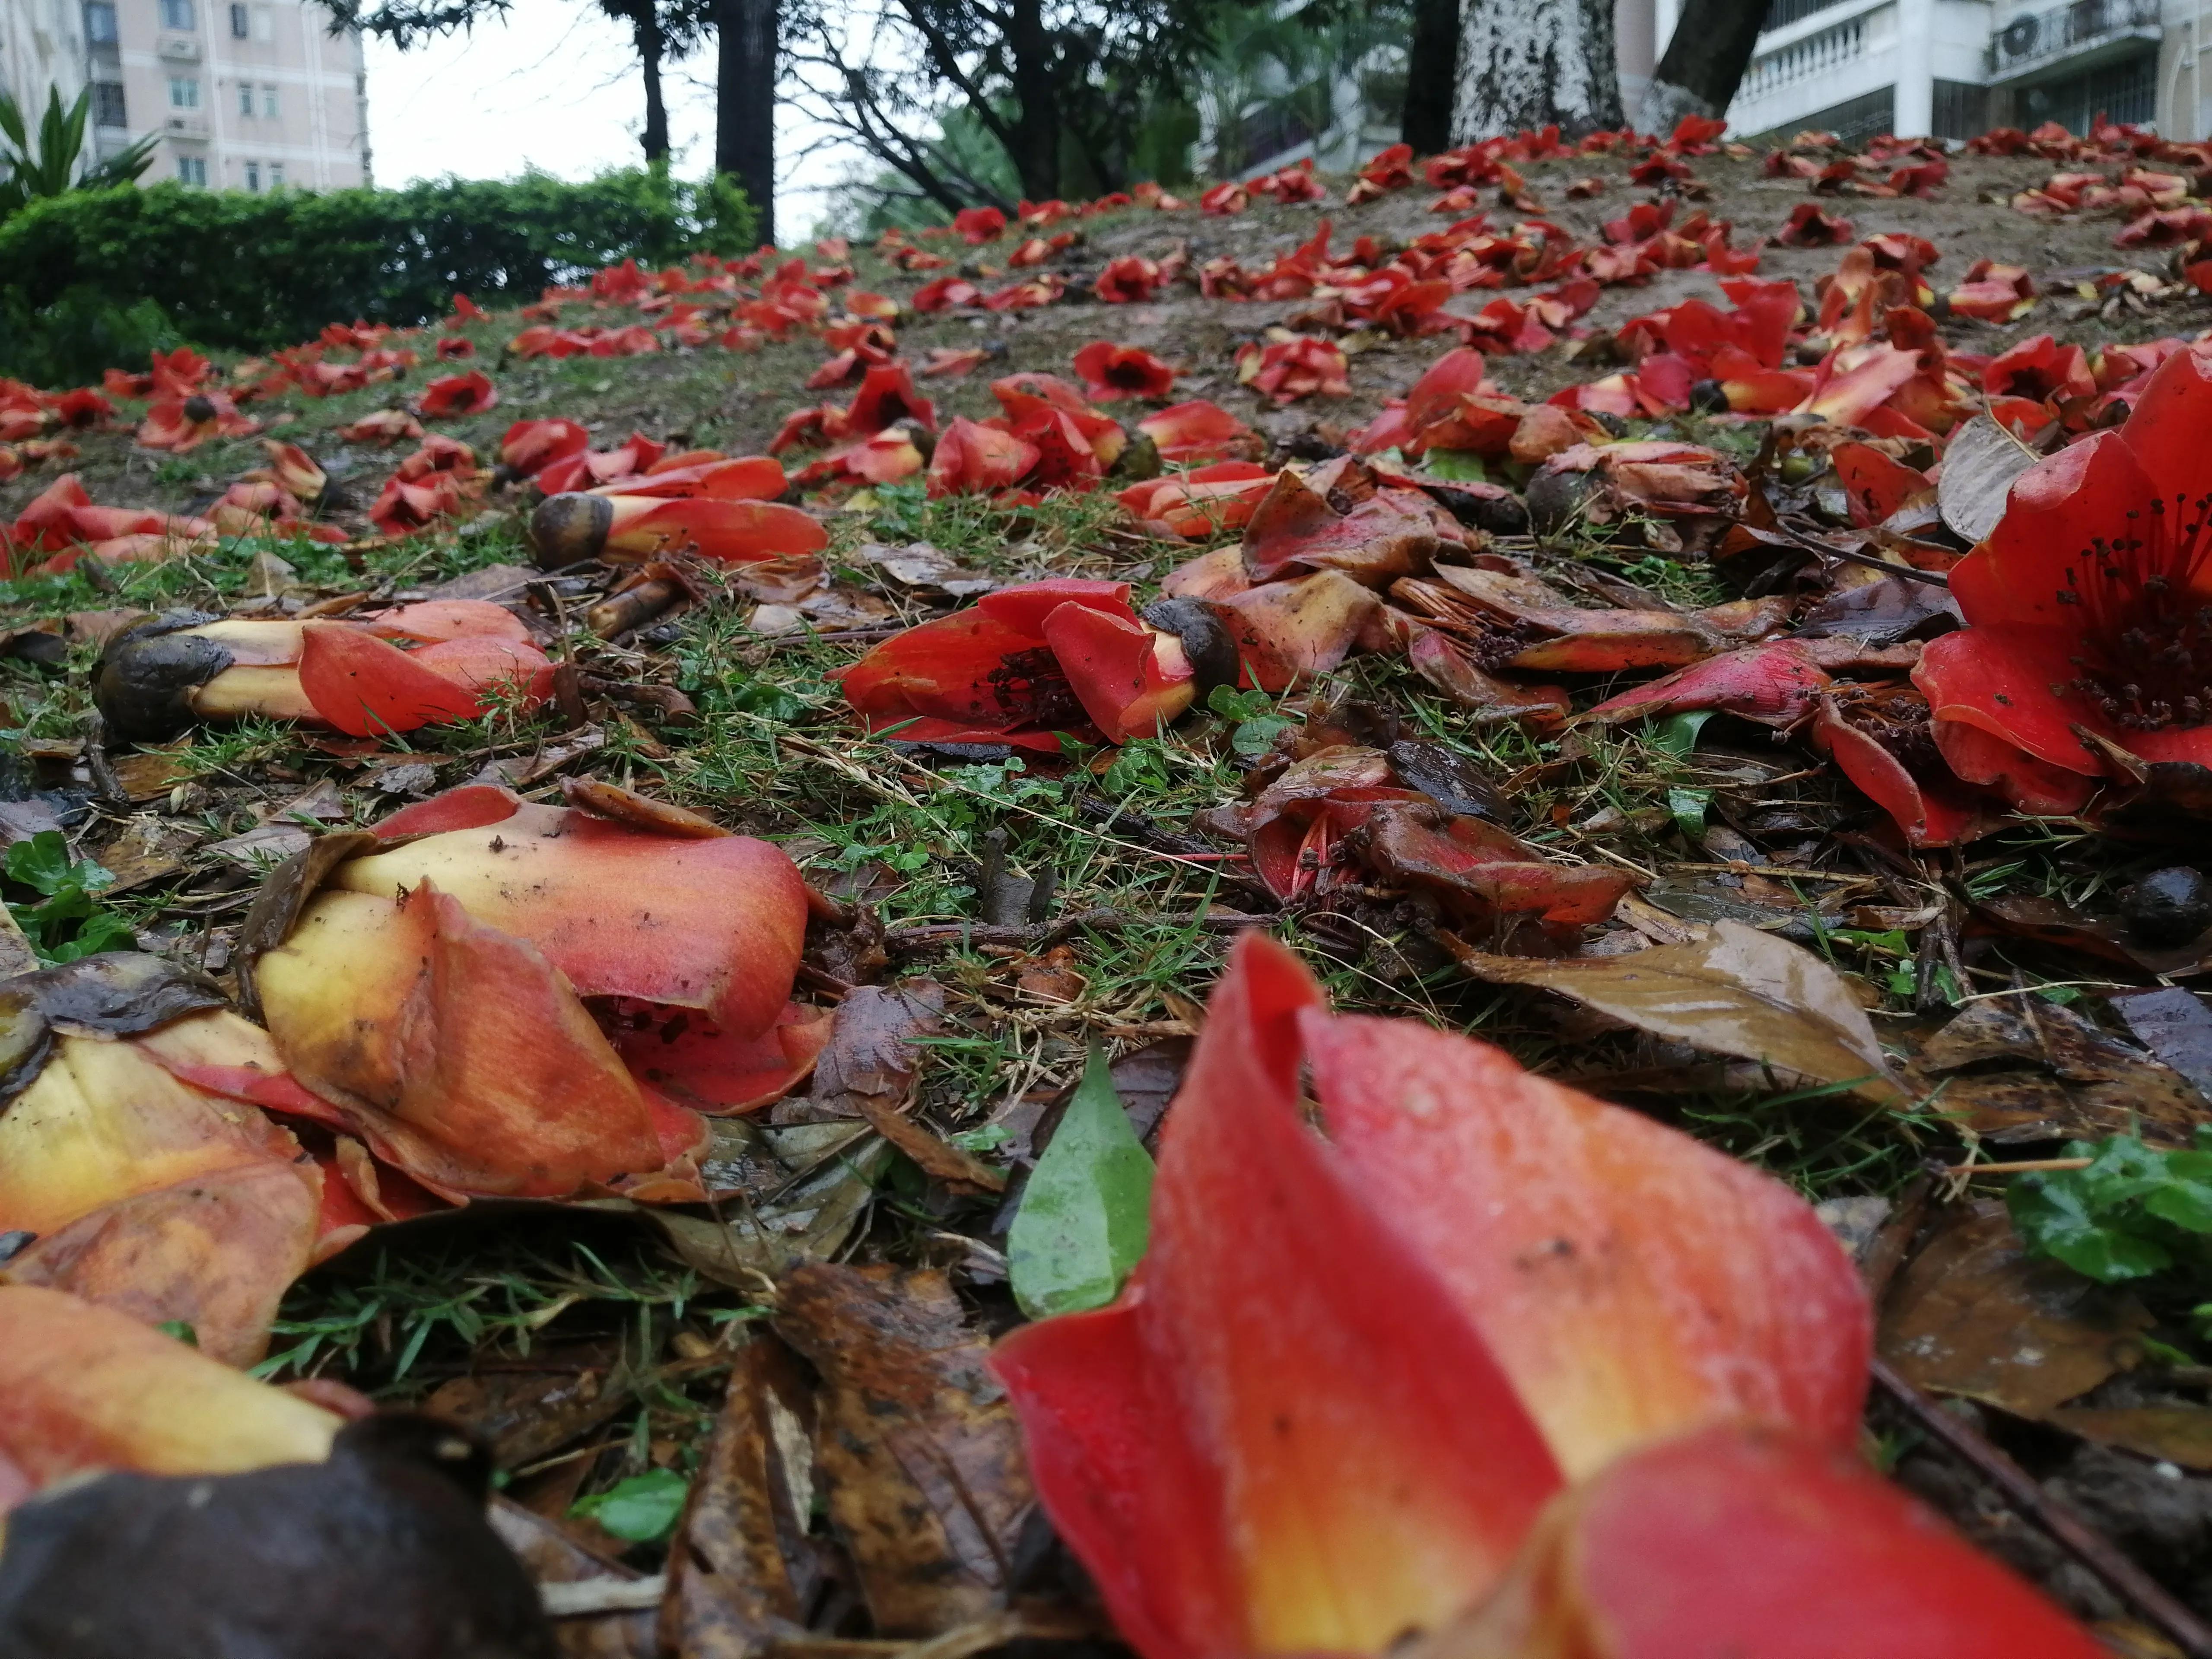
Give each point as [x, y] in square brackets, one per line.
[1291, 632]
[715, 924]
[1748, 1543]
[1632, 1281]
[151, 1197]
[368, 687]
[1200, 431]
[733, 532]
[1284, 1437]
[458, 1052]
[84, 1389]
[429, 622]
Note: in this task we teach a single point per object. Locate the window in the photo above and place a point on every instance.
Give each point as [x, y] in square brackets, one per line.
[246, 97]
[276, 175]
[177, 15]
[183, 92]
[191, 170]
[264, 28]
[269, 102]
[107, 104]
[253, 175]
[99, 23]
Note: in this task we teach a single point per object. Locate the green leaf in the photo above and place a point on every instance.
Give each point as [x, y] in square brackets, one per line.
[1087, 1208]
[639, 1510]
[1456, 466]
[1688, 808]
[1677, 735]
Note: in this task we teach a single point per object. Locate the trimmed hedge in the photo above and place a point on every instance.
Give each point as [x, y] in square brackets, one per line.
[250, 273]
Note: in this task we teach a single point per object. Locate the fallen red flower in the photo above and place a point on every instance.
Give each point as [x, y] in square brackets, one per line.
[1299, 366]
[471, 393]
[385, 426]
[1111, 372]
[569, 528]
[1128, 280]
[978, 225]
[1023, 666]
[2086, 609]
[1810, 225]
[1335, 1396]
[975, 459]
[1200, 503]
[184, 423]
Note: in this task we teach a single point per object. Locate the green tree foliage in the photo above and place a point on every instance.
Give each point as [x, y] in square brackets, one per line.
[31, 171]
[248, 272]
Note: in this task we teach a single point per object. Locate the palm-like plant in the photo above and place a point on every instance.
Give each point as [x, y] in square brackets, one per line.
[29, 171]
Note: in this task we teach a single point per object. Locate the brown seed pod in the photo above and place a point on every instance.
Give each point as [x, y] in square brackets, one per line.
[145, 677]
[570, 528]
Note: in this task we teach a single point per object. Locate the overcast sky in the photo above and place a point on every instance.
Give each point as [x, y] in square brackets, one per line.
[555, 87]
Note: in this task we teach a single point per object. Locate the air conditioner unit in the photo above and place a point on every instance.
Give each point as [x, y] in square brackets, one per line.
[181, 48]
[186, 126]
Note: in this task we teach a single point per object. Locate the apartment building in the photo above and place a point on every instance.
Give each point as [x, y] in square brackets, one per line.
[1954, 68]
[241, 94]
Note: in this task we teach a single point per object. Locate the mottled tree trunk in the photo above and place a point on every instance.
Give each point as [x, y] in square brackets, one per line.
[744, 103]
[1530, 62]
[1431, 69]
[1704, 63]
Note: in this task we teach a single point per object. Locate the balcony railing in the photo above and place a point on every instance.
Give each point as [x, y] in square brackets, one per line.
[2040, 37]
[1816, 54]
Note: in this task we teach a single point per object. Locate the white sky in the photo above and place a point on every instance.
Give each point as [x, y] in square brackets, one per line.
[555, 87]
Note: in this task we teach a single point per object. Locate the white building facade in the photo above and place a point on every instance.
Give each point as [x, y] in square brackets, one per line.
[1952, 68]
[241, 94]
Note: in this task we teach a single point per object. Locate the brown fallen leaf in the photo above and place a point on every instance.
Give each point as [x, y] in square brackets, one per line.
[1973, 1315]
[871, 1052]
[916, 1443]
[931, 1153]
[730, 1568]
[2174, 1433]
[1735, 990]
[1979, 464]
[2057, 1078]
[524, 1415]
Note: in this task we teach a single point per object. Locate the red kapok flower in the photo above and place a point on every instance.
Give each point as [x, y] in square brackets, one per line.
[2089, 607]
[457, 394]
[1023, 665]
[979, 225]
[1201, 431]
[1293, 369]
[1130, 280]
[1111, 372]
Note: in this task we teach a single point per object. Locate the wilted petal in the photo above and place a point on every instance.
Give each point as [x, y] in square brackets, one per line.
[714, 1072]
[715, 924]
[1131, 680]
[458, 1052]
[84, 1389]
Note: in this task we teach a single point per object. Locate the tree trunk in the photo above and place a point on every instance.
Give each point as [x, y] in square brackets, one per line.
[645, 26]
[1037, 118]
[1704, 63]
[1431, 61]
[1531, 63]
[744, 102]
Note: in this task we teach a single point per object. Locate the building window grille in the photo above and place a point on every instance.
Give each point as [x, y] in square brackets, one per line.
[178, 15]
[1962, 109]
[99, 28]
[246, 97]
[192, 170]
[183, 92]
[240, 27]
[276, 175]
[1780, 13]
[269, 102]
[253, 175]
[108, 109]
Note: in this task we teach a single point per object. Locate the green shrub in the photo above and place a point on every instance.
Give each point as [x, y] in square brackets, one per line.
[250, 273]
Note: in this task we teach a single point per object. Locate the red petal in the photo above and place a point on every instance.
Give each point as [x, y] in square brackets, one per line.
[1874, 484]
[1927, 818]
[1773, 683]
[1999, 679]
[1631, 1280]
[469, 807]
[2166, 429]
[2057, 510]
[368, 687]
[715, 924]
[733, 532]
[1743, 1542]
[1284, 1438]
[717, 1072]
[1197, 431]
[1116, 669]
